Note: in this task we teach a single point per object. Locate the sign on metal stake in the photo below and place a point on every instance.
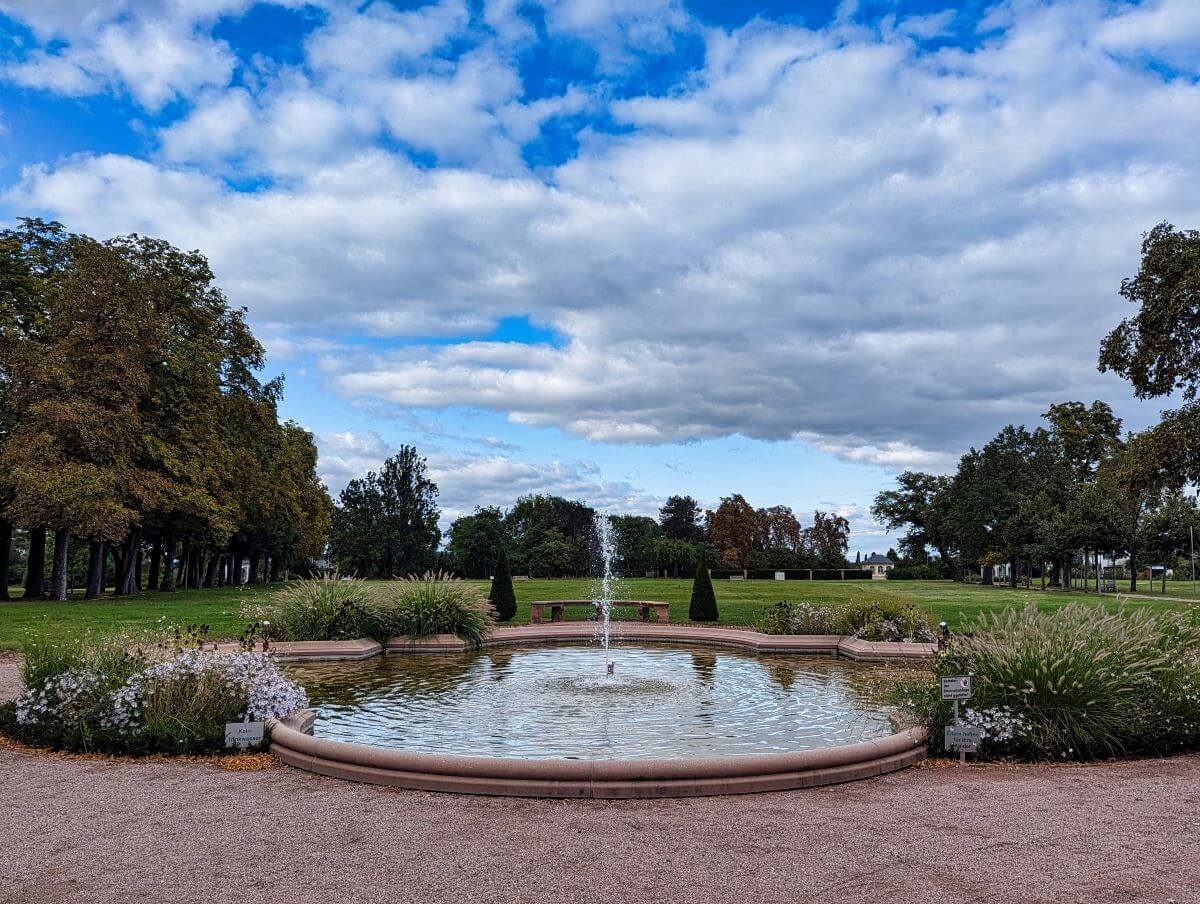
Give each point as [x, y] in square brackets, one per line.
[963, 738]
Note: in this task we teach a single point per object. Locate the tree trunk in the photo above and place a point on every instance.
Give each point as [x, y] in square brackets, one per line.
[131, 551]
[155, 565]
[210, 574]
[197, 569]
[5, 556]
[1012, 573]
[235, 570]
[35, 564]
[252, 578]
[1132, 571]
[1066, 572]
[185, 556]
[58, 574]
[1042, 571]
[137, 566]
[988, 575]
[168, 578]
[97, 556]
[276, 565]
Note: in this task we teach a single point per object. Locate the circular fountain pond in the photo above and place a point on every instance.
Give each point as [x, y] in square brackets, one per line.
[557, 702]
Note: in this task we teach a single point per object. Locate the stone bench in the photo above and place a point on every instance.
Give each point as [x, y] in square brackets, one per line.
[661, 611]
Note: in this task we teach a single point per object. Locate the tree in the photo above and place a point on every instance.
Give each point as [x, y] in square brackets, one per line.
[680, 519]
[1158, 349]
[734, 531]
[829, 539]
[553, 533]
[504, 599]
[703, 605]
[1165, 534]
[71, 461]
[780, 530]
[635, 537]
[919, 502]
[476, 541]
[386, 522]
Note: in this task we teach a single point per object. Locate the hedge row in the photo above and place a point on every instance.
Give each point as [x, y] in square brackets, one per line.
[796, 574]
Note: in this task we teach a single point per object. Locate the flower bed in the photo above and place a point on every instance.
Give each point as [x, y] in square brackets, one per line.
[99, 698]
[1075, 684]
[874, 617]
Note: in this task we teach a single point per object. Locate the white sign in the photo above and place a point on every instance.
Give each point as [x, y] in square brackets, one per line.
[963, 738]
[780, 576]
[243, 734]
[957, 687]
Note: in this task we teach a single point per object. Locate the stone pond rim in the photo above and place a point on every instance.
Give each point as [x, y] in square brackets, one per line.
[608, 779]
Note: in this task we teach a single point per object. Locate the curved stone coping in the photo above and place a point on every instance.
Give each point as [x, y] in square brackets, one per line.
[653, 632]
[684, 777]
[830, 644]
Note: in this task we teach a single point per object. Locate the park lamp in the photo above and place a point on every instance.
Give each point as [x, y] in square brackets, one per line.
[943, 636]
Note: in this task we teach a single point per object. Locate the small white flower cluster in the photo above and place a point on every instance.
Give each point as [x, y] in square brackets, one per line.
[252, 677]
[898, 630]
[809, 619]
[999, 724]
[59, 698]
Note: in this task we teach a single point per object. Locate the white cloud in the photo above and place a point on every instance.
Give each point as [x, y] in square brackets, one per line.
[466, 482]
[822, 234]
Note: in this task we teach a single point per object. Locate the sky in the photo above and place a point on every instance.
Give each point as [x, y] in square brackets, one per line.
[620, 249]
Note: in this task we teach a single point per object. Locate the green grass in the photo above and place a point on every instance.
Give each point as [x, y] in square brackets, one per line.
[740, 603]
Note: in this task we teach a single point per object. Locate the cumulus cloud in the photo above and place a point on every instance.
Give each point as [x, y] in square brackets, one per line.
[469, 481]
[825, 234]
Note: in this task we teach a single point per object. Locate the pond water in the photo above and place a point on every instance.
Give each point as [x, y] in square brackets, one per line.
[557, 701]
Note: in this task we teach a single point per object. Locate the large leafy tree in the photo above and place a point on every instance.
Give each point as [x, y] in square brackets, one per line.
[553, 536]
[34, 255]
[681, 518]
[386, 522]
[477, 541]
[920, 502]
[829, 538]
[635, 537]
[734, 530]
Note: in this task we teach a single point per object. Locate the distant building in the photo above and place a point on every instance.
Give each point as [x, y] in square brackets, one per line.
[878, 565]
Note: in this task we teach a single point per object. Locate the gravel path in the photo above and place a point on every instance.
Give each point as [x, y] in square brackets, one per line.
[103, 831]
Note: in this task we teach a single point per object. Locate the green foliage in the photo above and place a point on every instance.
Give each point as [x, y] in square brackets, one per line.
[434, 603]
[385, 524]
[109, 696]
[476, 540]
[680, 519]
[884, 617]
[324, 608]
[502, 596]
[1078, 683]
[797, 618]
[703, 605]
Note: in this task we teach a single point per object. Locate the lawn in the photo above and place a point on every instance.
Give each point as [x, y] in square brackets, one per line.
[740, 603]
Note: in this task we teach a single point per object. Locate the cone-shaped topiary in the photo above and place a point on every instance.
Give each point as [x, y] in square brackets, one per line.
[704, 600]
[504, 600]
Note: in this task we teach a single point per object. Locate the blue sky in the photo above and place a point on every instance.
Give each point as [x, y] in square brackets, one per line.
[619, 249]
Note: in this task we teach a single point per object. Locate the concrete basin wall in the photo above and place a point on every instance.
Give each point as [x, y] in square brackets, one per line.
[680, 777]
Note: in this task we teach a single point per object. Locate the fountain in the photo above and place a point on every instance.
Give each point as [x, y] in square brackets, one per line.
[603, 603]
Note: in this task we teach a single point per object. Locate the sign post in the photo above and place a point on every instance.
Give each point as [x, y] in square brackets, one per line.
[963, 738]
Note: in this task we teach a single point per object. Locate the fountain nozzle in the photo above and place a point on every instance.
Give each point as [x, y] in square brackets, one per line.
[611, 666]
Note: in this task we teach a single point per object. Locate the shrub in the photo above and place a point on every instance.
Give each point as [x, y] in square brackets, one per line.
[887, 617]
[703, 605]
[797, 618]
[502, 596]
[435, 603]
[323, 608]
[135, 704]
[1078, 683]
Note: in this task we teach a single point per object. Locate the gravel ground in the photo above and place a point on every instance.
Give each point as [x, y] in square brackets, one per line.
[108, 831]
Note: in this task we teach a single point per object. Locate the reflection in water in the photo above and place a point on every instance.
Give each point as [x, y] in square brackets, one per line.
[555, 702]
